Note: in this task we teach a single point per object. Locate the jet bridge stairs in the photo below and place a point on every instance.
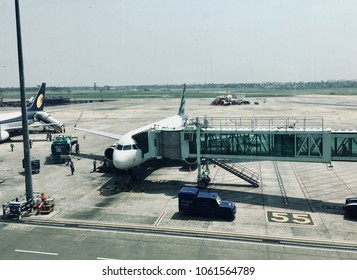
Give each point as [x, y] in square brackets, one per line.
[240, 171]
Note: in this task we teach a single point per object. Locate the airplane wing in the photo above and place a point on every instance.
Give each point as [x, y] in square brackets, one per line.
[101, 133]
[96, 132]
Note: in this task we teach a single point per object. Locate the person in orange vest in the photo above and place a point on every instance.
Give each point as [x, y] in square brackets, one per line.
[43, 199]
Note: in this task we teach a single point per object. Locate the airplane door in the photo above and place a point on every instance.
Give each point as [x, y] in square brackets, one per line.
[170, 144]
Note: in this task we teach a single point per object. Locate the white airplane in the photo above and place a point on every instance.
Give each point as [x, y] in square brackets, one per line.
[228, 99]
[12, 122]
[127, 152]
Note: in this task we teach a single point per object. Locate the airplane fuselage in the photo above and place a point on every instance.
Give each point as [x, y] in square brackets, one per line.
[12, 121]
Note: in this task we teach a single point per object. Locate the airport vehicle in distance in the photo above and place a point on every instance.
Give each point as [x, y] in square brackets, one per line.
[350, 208]
[194, 202]
[35, 165]
[61, 147]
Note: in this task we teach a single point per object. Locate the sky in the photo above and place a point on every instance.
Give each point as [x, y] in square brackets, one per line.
[145, 42]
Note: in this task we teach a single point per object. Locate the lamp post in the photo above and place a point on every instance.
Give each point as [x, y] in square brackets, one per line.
[25, 129]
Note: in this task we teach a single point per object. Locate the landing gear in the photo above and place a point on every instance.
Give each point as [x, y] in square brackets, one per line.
[135, 173]
[204, 181]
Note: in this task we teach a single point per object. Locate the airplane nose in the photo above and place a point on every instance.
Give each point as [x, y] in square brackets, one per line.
[117, 159]
[122, 159]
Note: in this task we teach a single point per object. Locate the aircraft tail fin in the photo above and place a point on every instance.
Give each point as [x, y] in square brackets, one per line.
[38, 102]
[181, 111]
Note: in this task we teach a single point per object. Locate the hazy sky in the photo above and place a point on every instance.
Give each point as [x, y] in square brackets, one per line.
[133, 42]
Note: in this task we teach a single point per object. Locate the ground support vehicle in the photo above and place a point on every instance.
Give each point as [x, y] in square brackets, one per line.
[17, 208]
[350, 208]
[45, 207]
[61, 147]
[194, 202]
[35, 165]
[14, 210]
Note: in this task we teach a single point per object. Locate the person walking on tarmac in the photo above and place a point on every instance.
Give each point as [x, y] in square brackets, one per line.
[77, 148]
[94, 165]
[71, 165]
[69, 160]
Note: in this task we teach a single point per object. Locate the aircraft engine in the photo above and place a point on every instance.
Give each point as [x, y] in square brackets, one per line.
[4, 135]
[108, 153]
[41, 116]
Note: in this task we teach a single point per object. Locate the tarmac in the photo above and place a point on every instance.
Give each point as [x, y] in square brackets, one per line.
[296, 203]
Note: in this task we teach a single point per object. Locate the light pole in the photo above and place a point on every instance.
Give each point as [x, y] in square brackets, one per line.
[25, 129]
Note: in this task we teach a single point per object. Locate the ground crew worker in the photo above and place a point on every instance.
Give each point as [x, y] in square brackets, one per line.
[30, 143]
[69, 160]
[43, 199]
[12, 147]
[71, 165]
[77, 148]
[94, 165]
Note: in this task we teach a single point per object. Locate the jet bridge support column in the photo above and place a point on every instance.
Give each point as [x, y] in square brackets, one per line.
[198, 144]
[203, 176]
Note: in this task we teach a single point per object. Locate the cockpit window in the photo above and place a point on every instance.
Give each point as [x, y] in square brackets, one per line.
[127, 147]
[135, 147]
[119, 147]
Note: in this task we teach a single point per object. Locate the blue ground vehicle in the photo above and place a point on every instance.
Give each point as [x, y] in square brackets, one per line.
[194, 202]
[350, 208]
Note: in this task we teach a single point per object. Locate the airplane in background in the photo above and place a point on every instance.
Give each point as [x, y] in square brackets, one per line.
[12, 122]
[228, 99]
[127, 153]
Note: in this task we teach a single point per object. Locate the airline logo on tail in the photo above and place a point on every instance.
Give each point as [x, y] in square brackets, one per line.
[38, 103]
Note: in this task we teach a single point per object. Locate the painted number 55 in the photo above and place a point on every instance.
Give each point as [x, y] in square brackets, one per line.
[296, 218]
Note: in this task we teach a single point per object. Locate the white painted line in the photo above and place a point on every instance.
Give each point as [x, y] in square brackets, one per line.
[36, 252]
[99, 258]
[157, 222]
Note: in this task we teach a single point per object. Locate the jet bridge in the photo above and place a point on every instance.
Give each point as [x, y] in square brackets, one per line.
[296, 139]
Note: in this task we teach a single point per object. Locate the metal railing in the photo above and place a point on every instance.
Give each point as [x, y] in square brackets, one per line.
[269, 123]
